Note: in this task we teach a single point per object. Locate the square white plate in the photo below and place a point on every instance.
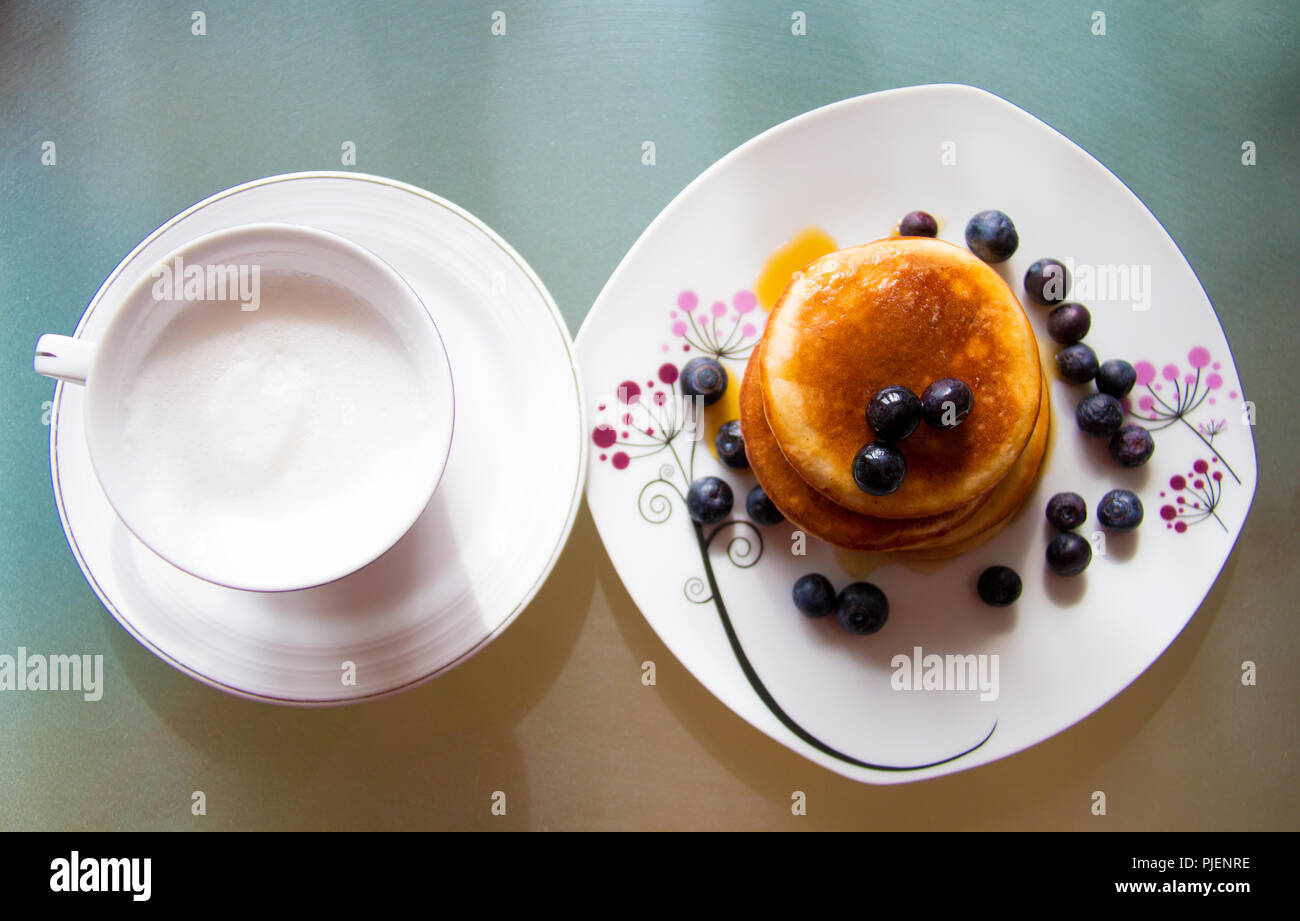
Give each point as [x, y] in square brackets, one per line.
[1068, 645]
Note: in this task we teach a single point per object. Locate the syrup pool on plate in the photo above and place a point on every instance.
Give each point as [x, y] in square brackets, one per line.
[807, 245]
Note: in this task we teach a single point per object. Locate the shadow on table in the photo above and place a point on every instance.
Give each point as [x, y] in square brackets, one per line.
[431, 757]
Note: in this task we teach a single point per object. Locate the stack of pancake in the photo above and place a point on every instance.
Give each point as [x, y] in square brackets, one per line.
[900, 311]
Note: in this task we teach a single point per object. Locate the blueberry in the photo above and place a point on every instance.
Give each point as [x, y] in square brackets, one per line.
[1068, 554]
[814, 595]
[1046, 281]
[946, 403]
[918, 224]
[1068, 323]
[731, 445]
[1077, 363]
[1120, 510]
[1116, 378]
[1132, 446]
[991, 236]
[999, 586]
[893, 413]
[1099, 415]
[879, 468]
[761, 508]
[704, 377]
[709, 500]
[1066, 511]
[862, 608]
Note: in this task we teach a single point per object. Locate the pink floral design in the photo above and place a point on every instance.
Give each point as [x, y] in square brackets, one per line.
[1194, 496]
[649, 419]
[1187, 392]
[721, 330]
[645, 420]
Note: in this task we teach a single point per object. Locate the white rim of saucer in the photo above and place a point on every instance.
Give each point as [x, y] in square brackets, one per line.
[574, 500]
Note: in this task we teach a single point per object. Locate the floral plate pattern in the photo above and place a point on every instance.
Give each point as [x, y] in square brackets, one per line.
[719, 595]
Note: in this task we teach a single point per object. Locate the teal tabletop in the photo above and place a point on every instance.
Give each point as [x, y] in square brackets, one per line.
[533, 116]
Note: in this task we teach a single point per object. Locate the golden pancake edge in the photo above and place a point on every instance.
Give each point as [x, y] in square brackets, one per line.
[929, 537]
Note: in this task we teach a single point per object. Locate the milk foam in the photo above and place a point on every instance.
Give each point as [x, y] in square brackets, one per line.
[271, 430]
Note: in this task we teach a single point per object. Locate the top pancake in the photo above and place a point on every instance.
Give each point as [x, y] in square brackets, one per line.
[900, 311]
[808, 510]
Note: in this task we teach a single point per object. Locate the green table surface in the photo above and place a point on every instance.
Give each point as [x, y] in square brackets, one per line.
[539, 132]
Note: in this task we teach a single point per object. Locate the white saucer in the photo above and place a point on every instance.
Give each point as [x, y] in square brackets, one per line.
[484, 544]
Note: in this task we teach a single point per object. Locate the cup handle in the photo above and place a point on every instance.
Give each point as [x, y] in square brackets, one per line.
[64, 358]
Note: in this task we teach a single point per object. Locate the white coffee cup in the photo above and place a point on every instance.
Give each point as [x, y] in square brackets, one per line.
[270, 408]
